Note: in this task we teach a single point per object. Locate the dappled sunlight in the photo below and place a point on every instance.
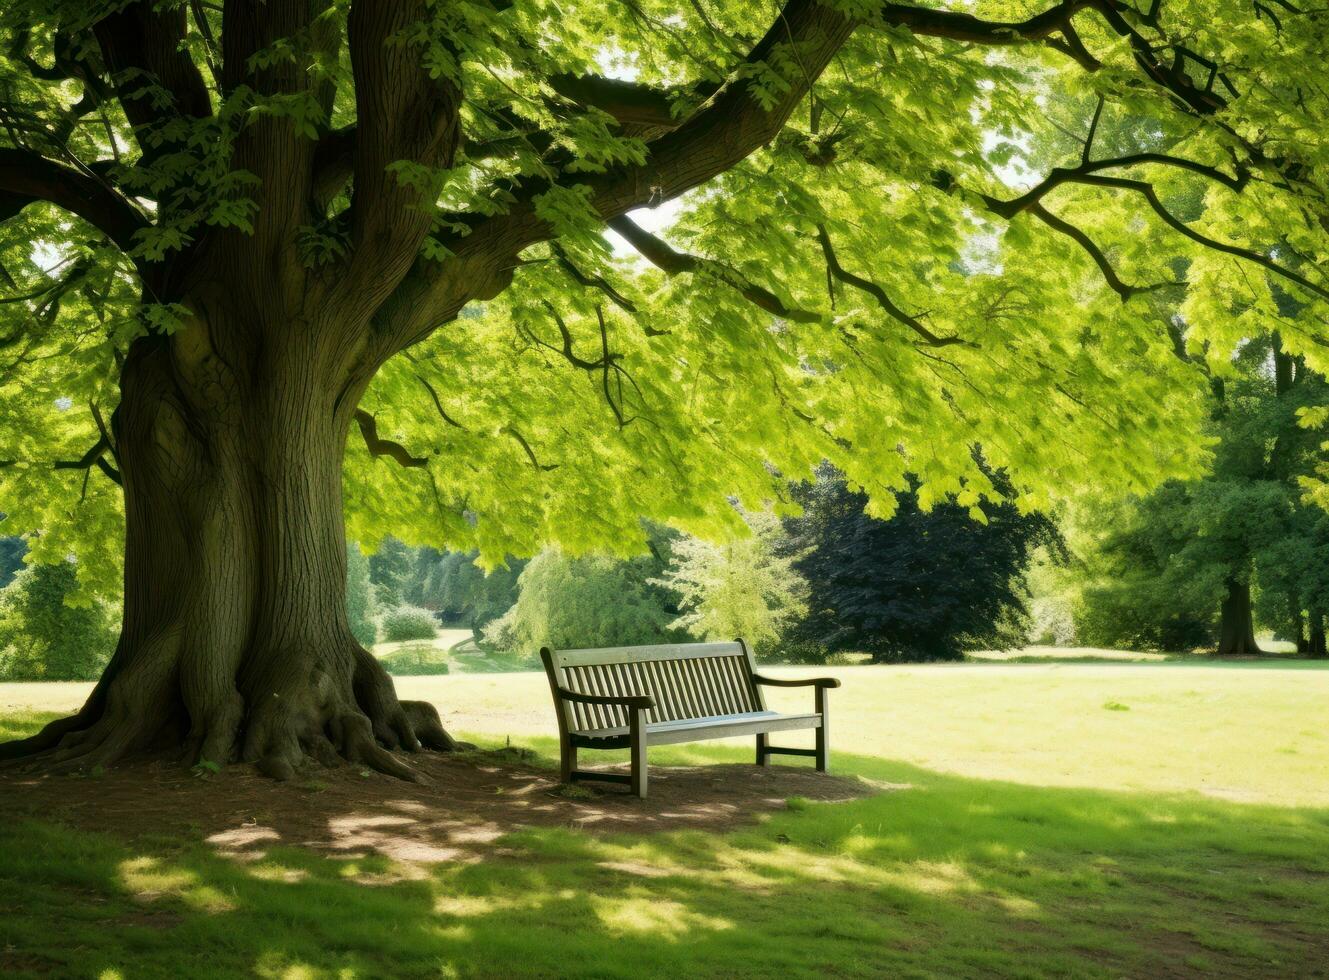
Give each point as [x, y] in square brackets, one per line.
[278, 873]
[942, 871]
[898, 867]
[244, 843]
[668, 919]
[149, 879]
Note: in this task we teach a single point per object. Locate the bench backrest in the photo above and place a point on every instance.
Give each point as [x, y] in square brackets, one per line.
[687, 680]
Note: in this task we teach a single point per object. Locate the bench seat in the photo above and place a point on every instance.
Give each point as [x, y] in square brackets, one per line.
[633, 697]
[698, 729]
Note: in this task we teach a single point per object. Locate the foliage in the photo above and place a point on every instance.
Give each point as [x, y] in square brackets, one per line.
[408, 623]
[43, 638]
[12, 551]
[592, 601]
[746, 587]
[414, 659]
[464, 593]
[926, 584]
[1162, 565]
[359, 596]
[919, 125]
[389, 572]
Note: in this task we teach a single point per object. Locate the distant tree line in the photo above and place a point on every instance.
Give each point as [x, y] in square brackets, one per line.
[927, 584]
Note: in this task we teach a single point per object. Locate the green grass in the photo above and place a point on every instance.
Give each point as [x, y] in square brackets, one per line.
[1032, 830]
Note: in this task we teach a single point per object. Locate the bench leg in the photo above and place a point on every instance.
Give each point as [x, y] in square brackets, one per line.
[823, 733]
[637, 740]
[762, 755]
[568, 762]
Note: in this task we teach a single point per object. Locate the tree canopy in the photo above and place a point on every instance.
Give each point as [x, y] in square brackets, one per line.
[902, 231]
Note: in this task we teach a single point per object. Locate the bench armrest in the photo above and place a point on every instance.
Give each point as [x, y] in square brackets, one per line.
[796, 681]
[631, 700]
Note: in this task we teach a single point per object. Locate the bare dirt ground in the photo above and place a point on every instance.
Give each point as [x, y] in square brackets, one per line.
[469, 801]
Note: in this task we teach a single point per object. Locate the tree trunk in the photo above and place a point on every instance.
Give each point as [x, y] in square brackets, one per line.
[235, 641]
[1236, 635]
[1316, 648]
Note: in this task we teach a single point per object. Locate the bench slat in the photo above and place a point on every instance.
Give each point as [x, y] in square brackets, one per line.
[728, 726]
[673, 703]
[701, 684]
[663, 651]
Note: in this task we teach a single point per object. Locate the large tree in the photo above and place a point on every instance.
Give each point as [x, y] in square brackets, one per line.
[237, 233]
[1194, 562]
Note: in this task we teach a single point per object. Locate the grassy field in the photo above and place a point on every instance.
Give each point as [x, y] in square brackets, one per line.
[1109, 819]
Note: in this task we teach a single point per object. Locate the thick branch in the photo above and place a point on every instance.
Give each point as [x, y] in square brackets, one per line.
[404, 117]
[385, 447]
[143, 45]
[664, 256]
[26, 177]
[967, 28]
[641, 110]
[733, 124]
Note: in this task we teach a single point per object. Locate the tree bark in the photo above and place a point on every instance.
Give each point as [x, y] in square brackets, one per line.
[1316, 648]
[235, 642]
[1236, 635]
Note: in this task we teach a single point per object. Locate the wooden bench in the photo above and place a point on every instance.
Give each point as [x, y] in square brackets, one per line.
[632, 697]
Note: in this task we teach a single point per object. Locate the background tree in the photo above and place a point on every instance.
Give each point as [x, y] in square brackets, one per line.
[42, 637]
[1182, 567]
[746, 587]
[923, 585]
[591, 601]
[390, 572]
[359, 596]
[465, 594]
[232, 232]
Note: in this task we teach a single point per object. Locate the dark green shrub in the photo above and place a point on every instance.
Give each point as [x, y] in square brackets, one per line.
[924, 585]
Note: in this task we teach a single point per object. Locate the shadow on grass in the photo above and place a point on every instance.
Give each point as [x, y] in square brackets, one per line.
[941, 875]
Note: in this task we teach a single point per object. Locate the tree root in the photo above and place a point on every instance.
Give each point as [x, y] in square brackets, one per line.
[311, 718]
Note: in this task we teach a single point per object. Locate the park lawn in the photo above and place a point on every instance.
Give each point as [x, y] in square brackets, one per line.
[1034, 820]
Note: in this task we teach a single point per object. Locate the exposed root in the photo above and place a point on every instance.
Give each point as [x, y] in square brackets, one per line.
[428, 728]
[22, 750]
[310, 718]
[377, 698]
